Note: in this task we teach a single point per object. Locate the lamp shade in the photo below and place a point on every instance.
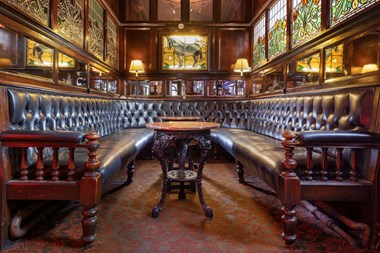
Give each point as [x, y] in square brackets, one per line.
[241, 65]
[136, 67]
[369, 68]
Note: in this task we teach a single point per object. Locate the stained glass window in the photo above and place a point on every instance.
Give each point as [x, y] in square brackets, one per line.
[112, 53]
[71, 20]
[184, 52]
[38, 54]
[37, 9]
[334, 61]
[343, 9]
[277, 30]
[259, 43]
[306, 20]
[96, 29]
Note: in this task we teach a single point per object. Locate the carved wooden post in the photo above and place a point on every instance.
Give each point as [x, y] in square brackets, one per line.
[90, 189]
[289, 191]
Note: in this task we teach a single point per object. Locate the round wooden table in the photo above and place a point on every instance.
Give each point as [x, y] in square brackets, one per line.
[181, 133]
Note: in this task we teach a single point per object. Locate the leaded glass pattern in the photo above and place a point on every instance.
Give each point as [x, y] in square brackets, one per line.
[306, 20]
[111, 54]
[277, 30]
[37, 9]
[343, 9]
[71, 20]
[259, 43]
[96, 29]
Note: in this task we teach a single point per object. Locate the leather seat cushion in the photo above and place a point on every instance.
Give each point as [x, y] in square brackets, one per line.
[115, 151]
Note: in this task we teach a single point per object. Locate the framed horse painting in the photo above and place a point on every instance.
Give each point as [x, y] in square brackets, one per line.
[184, 52]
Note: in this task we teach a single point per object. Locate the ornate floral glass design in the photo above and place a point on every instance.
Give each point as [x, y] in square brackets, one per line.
[305, 20]
[343, 9]
[277, 32]
[259, 43]
[111, 53]
[71, 20]
[95, 29]
[37, 9]
[38, 54]
[184, 52]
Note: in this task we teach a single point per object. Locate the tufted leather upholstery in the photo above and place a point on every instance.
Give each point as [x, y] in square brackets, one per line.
[257, 144]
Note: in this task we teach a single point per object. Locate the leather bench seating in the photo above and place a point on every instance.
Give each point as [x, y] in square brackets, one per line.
[292, 142]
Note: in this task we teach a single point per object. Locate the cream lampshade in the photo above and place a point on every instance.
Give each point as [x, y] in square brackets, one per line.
[136, 67]
[241, 66]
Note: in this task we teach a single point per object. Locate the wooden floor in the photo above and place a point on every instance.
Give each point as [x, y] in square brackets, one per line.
[245, 220]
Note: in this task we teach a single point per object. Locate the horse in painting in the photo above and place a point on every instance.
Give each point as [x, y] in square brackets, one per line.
[182, 50]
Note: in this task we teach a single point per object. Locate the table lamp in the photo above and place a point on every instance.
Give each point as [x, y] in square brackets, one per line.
[136, 67]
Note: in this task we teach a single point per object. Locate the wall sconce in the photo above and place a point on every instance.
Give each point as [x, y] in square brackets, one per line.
[369, 68]
[241, 66]
[136, 67]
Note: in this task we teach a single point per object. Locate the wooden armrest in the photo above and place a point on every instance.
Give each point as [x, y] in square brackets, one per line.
[38, 137]
[337, 138]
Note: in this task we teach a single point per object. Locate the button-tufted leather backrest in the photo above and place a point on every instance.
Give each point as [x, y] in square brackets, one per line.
[340, 111]
[269, 116]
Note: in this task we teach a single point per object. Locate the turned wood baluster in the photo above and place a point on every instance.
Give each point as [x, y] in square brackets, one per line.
[353, 165]
[71, 165]
[289, 189]
[309, 164]
[324, 164]
[90, 189]
[24, 165]
[339, 164]
[55, 166]
[40, 164]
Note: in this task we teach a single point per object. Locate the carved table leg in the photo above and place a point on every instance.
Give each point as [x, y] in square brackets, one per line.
[204, 144]
[161, 141]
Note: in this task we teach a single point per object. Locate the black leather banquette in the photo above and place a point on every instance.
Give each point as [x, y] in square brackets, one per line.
[319, 129]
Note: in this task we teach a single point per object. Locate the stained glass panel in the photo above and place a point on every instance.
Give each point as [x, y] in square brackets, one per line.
[96, 29]
[184, 52]
[306, 20]
[259, 43]
[277, 32]
[38, 54]
[71, 20]
[334, 61]
[343, 9]
[112, 53]
[37, 9]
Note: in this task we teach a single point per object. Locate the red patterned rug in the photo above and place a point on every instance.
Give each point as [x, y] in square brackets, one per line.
[245, 220]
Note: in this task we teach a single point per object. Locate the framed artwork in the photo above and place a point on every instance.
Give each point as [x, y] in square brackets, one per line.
[184, 52]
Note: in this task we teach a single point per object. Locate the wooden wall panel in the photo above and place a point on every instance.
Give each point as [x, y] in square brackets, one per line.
[141, 43]
[230, 44]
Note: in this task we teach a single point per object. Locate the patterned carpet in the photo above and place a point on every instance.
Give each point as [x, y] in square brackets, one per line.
[245, 220]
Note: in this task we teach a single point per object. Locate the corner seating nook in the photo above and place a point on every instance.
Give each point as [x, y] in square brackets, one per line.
[304, 146]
